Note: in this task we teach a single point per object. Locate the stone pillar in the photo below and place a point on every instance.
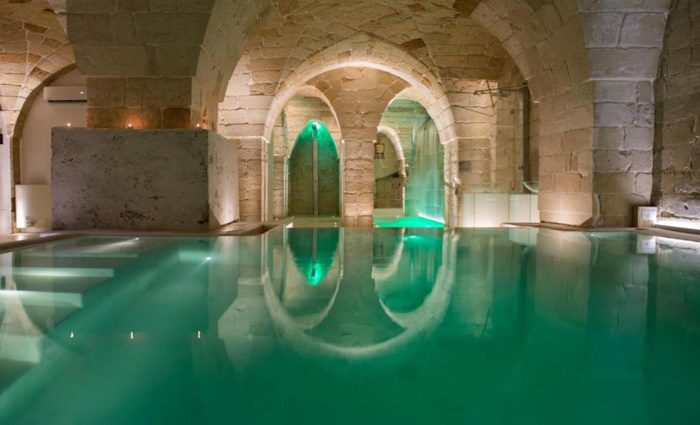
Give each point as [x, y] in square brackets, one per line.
[252, 163]
[359, 97]
[623, 51]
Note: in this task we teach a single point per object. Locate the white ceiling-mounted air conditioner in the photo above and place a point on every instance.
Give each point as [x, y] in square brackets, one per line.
[65, 94]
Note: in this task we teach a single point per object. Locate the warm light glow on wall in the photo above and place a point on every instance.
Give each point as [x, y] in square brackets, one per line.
[678, 223]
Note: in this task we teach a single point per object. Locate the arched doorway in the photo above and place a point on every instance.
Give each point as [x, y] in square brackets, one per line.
[314, 173]
[409, 157]
[389, 175]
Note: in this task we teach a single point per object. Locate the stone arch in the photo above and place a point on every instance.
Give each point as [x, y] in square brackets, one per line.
[312, 91]
[364, 50]
[395, 140]
[222, 46]
[24, 111]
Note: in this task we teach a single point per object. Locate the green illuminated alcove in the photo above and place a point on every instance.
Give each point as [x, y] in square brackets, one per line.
[301, 172]
[314, 251]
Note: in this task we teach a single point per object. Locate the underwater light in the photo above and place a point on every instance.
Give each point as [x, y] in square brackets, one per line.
[315, 274]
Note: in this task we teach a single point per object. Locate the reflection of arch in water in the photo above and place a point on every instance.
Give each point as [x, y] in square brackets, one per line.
[15, 324]
[315, 285]
[417, 326]
[418, 249]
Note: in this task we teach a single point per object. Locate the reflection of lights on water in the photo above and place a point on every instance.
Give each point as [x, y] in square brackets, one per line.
[315, 274]
[436, 219]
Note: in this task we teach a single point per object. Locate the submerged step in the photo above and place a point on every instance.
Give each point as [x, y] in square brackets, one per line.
[58, 271]
[42, 299]
[21, 348]
[81, 254]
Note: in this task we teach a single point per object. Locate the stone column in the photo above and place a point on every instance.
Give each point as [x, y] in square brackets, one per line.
[359, 97]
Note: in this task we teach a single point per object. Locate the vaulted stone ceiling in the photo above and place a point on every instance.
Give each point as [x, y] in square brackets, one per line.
[33, 45]
[443, 37]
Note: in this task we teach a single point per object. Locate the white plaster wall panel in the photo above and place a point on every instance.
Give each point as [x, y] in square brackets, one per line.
[491, 209]
[534, 209]
[467, 218]
[131, 179]
[35, 145]
[33, 207]
[519, 208]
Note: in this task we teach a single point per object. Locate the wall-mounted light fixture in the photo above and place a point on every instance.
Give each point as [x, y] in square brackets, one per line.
[378, 150]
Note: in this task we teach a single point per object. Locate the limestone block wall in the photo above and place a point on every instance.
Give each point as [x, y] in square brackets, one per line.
[677, 143]
[143, 180]
[388, 181]
[246, 104]
[475, 123]
[623, 41]
[389, 192]
[140, 58]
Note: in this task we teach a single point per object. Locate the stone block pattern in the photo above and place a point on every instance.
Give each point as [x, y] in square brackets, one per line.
[142, 180]
[677, 143]
[389, 192]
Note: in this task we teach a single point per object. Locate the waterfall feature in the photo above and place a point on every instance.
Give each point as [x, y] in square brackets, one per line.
[424, 191]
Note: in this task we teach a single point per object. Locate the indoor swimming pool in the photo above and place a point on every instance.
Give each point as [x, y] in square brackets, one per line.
[350, 326]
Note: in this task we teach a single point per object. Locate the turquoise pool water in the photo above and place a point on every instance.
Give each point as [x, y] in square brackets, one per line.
[340, 326]
[411, 222]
